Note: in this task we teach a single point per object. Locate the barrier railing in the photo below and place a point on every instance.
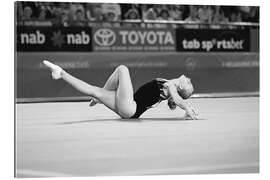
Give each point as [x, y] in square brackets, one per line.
[182, 22]
[140, 21]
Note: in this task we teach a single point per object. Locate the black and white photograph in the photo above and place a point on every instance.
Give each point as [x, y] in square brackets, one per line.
[136, 89]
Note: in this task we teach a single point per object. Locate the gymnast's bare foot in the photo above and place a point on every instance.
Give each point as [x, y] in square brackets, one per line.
[56, 70]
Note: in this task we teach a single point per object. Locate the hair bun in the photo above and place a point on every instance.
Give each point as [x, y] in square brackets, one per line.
[171, 104]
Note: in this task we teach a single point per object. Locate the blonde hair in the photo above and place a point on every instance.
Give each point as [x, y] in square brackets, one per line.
[185, 93]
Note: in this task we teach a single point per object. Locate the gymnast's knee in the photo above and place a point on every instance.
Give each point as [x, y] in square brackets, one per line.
[123, 69]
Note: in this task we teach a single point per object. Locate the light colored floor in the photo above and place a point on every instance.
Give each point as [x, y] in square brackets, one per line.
[71, 139]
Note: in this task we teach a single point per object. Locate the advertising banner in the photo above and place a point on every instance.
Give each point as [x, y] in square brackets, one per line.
[35, 39]
[135, 39]
[213, 40]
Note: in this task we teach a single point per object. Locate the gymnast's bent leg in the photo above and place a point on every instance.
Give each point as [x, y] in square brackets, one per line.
[120, 82]
[111, 84]
[125, 103]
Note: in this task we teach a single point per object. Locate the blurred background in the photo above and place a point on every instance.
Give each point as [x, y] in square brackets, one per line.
[83, 14]
[216, 46]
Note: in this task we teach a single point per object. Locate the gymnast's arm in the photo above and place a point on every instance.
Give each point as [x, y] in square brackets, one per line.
[179, 101]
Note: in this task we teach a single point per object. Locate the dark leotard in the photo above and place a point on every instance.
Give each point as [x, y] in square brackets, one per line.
[148, 95]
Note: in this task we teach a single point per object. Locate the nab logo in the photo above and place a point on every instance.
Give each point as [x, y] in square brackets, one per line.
[105, 37]
[79, 38]
[33, 38]
[58, 39]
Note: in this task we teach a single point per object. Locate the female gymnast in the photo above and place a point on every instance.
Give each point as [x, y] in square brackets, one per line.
[117, 93]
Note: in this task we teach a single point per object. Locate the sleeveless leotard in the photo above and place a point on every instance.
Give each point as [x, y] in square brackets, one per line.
[148, 95]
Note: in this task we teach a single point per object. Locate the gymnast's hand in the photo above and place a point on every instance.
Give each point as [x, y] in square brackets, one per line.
[191, 113]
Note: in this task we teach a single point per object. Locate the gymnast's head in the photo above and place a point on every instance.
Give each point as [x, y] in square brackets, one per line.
[185, 87]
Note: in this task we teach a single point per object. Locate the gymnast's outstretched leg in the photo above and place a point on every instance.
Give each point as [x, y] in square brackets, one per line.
[118, 97]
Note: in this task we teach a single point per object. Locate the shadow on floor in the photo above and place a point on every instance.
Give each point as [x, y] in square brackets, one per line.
[137, 120]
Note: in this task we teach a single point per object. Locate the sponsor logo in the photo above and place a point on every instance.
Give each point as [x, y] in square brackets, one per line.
[240, 64]
[58, 39]
[79, 38]
[105, 37]
[213, 40]
[146, 37]
[54, 39]
[230, 44]
[134, 40]
[32, 38]
[191, 64]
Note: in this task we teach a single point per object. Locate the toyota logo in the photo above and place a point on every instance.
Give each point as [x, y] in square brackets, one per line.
[104, 37]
